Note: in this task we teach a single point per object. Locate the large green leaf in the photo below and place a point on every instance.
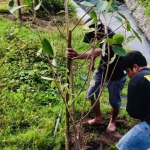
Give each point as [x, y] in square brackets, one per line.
[101, 5]
[119, 19]
[119, 50]
[122, 15]
[110, 41]
[108, 6]
[11, 3]
[130, 38]
[93, 16]
[38, 6]
[128, 26]
[119, 38]
[16, 8]
[87, 29]
[47, 47]
[136, 34]
[27, 2]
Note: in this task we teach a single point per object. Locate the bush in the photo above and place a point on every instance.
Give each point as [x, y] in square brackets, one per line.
[53, 5]
[56, 5]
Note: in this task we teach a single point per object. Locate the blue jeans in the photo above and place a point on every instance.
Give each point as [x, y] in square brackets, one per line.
[138, 138]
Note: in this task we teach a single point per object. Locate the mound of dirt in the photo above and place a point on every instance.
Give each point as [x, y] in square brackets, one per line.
[95, 137]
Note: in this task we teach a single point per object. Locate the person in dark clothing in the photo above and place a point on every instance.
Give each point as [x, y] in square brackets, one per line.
[138, 104]
[116, 75]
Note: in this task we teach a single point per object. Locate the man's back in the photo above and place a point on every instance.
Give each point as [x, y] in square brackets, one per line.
[139, 95]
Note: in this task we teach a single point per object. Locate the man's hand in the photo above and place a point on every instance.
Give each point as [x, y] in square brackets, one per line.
[71, 53]
[97, 52]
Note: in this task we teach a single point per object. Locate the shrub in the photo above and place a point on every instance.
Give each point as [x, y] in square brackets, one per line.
[56, 5]
[53, 5]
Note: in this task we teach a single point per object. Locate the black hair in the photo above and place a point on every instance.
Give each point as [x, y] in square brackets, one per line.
[134, 57]
[89, 36]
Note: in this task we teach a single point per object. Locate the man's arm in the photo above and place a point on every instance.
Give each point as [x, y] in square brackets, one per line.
[71, 53]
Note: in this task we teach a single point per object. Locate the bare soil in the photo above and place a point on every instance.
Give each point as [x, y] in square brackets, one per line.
[96, 137]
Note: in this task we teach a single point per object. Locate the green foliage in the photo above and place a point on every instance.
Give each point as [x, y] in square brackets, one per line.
[119, 50]
[133, 9]
[93, 137]
[53, 5]
[12, 10]
[118, 38]
[2, 38]
[47, 47]
[113, 147]
[31, 7]
[56, 5]
[147, 10]
[11, 3]
[146, 4]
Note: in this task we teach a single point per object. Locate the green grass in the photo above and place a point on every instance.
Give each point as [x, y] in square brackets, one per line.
[28, 104]
[3, 6]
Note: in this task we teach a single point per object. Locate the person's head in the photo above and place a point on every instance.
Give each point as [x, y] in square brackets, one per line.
[133, 62]
[89, 36]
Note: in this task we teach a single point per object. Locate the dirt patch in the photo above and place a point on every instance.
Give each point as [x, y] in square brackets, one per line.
[44, 23]
[96, 137]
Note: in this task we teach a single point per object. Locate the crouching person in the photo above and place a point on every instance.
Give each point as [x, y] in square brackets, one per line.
[138, 104]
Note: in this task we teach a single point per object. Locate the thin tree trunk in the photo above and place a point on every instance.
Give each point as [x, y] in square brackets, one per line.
[19, 11]
[34, 12]
[69, 62]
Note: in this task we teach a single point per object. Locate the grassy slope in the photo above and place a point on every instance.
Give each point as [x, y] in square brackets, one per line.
[28, 107]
